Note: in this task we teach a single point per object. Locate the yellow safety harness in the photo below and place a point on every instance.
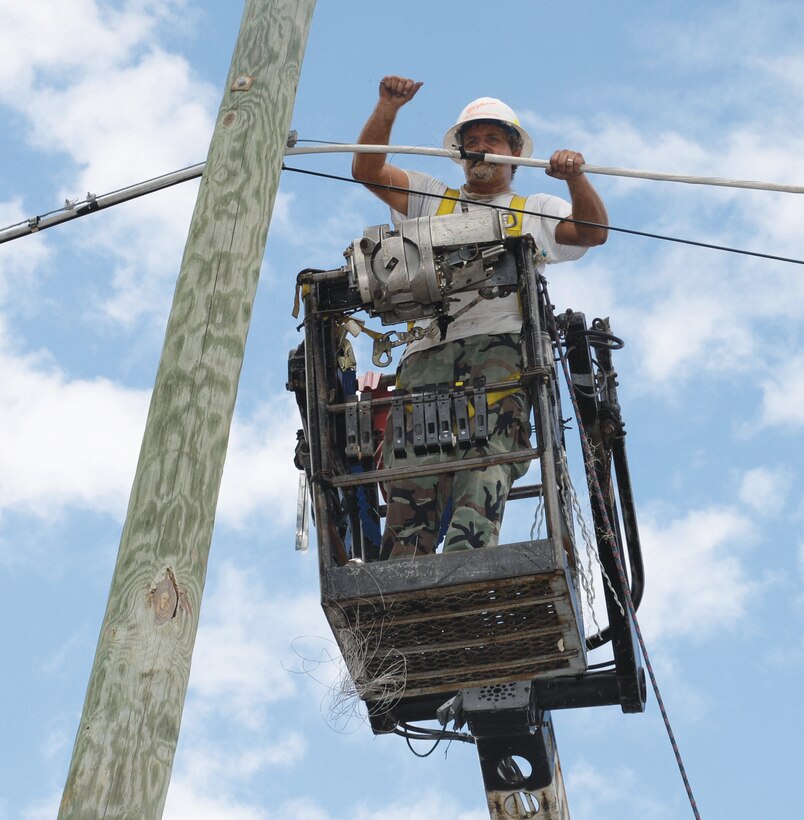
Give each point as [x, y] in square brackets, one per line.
[356, 326]
[515, 215]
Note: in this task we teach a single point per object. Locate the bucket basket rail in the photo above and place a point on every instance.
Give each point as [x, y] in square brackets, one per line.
[416, 632]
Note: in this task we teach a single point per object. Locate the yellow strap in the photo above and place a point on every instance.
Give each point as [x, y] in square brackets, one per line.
[301, 292]
[446, 206]
[517, 205]
[449, 201]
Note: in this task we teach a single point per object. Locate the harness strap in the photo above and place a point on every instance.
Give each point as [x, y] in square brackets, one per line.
[451, 196]
[517, 206]
[449, 201]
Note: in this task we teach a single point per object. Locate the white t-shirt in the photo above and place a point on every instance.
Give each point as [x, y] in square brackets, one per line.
[502, 314]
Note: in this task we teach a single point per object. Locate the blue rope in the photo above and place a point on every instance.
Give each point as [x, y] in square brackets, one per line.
[370, 526]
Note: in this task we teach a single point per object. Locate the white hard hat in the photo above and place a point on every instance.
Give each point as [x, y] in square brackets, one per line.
[488, 108]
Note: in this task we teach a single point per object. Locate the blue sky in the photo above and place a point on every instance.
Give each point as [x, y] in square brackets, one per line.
[96, 95]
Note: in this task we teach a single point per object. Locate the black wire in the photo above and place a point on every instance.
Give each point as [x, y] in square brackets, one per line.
[629, 231]
[425, 733]
[600, 338]
[601, 665]
[412, 732]
[419, 754]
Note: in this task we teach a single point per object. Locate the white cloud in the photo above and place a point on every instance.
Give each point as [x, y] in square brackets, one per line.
[116, 105]
[786, 69]
[140, 121]
[243, 659]
[123, 111]
[677, 336]
[44, 40]
[431, 803]
[765, 490]
[260, 480]
[619, 143]
[149, 117]
[690, 311]
[697, 579]
[242, 665]
[66, 442]
[207, 766]
[20, 260]
[710, 40]
[73, 443]
[185, 802]
[589, 287]
[142, 244]
[697, 582]
[44, 809]
[303, 808]
[594, 792]
[684, 691]
[325, 236]
[783, 394]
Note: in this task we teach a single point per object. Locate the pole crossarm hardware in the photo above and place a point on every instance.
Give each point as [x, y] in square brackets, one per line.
[126, 741]
[94, 202]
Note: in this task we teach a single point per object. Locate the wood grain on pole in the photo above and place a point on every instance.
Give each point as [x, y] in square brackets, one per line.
[129, 728]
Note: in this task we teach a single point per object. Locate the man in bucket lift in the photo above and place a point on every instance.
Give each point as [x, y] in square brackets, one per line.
[483, 337]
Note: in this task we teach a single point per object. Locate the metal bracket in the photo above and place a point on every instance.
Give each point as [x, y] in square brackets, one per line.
[461, 406]
[398, 422]
[517, 751]
[419, 439]
[242, 83]
[365, 427]
[352, 434]
[430, 419]
[481, 411]
[445, 438]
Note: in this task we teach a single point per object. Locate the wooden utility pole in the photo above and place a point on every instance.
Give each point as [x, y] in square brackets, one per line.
[129, 728]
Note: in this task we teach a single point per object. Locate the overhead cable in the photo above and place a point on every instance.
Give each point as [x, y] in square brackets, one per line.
[629, 231]
[531, 162]
[92, 203]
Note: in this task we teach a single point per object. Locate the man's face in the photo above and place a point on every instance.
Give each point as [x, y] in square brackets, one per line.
[487, 138]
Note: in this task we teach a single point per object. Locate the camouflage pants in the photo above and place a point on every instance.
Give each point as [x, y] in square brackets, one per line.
[476, 497]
